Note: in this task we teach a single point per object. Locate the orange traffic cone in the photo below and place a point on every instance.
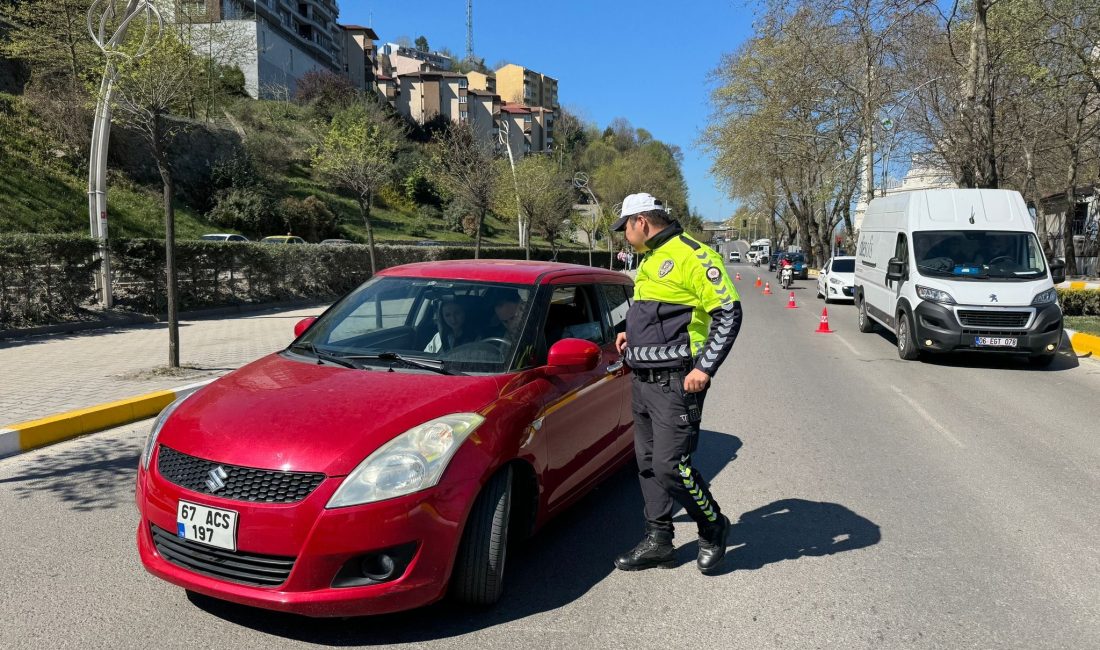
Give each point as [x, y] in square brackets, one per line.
[790, 302]
[737, 277]
[758, 282]
[767, 289]
[823, 328]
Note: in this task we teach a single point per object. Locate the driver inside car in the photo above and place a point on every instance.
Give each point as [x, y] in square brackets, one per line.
[507, 319]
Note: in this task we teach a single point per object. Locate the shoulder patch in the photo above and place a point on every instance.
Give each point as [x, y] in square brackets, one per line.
[690, 242]
[666, 268]
[714, 275]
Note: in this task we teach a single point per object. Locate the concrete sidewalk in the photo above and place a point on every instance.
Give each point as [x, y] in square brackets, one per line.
[44, 376]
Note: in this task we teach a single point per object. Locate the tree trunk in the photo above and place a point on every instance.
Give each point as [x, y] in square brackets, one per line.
[477, 235]
[170, 262]
[978, 104]
[364, 209]
[1071, 211]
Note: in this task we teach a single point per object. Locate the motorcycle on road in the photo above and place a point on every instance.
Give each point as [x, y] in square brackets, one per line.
[787, 277]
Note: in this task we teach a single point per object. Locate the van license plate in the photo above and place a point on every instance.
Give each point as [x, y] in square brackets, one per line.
[205, 525]
[987, 342]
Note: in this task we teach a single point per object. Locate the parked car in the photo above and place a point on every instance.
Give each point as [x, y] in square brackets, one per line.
[282, 239]
[336, 242]
[948, 270]
[735, 256]
[837, 279]
[223, 237]
[356, 473]
[773, 261]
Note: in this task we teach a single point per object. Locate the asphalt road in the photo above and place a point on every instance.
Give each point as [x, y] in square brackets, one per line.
[878, 504]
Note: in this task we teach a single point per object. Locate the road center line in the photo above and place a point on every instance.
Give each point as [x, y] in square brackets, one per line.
[931, 420]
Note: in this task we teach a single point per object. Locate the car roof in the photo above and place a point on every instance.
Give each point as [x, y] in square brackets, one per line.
[506, 271]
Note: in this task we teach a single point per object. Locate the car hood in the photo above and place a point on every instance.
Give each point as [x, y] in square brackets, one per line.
[290, 415]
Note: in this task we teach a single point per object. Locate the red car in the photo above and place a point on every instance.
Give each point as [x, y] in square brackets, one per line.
[390, 453]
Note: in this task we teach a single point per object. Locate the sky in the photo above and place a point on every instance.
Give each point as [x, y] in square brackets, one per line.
[644, 60]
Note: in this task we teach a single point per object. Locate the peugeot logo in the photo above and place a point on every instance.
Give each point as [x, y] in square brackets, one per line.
[992, 297]
[217, 479]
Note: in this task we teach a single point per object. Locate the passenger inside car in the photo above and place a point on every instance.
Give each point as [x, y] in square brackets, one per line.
[453, 327]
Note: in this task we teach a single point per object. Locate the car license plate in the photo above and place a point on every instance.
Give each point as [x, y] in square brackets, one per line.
[206, 525]
[989, 342]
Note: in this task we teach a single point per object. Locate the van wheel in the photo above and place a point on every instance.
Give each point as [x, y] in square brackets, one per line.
[866, 325]
[907, 347]
[478, 577]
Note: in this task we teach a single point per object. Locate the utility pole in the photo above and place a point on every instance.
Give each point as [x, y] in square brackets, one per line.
[102, 16]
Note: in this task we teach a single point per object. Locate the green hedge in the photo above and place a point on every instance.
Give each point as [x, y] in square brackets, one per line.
[1080, 302]
[48, 279]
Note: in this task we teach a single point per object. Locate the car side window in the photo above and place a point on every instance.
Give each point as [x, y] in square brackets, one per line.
[573, 313]
[617, 302]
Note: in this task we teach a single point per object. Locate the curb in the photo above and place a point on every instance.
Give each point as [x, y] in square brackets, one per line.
[1077, 285]
[1088, 344]
[25, 436]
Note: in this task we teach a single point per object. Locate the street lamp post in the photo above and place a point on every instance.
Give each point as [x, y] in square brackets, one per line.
[110, 43]
[504, 135]
[888, 126]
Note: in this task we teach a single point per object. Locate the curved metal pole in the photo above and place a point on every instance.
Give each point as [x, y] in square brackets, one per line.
[101, 127]
[504, 134]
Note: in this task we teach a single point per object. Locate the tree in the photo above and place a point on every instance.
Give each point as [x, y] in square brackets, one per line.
[422, 44]
[51, 36]
[546, 197]
[359, 154]
[463, 168]
[148, 90]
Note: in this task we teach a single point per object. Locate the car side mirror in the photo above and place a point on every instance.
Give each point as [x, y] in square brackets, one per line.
[1058, 271]
[301, 326]
[895, 270]
[569, 356]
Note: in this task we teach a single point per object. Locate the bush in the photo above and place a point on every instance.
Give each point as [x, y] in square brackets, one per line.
[309, 218]
[249, 210]
[1080, 302]
[427, 218]
[45, 278]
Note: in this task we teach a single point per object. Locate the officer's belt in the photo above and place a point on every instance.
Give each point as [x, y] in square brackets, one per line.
[659, 375]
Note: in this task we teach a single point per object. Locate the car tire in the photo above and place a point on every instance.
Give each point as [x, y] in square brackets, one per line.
[821, 295]
[478, 577]
[866, 325]
[907, 345]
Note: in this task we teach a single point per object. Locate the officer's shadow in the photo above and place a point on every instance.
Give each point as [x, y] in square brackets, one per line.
[782, 530]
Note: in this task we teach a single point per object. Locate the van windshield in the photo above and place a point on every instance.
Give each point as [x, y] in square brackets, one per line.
[979, 254]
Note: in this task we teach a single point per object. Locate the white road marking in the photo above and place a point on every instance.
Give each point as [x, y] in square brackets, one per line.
[845, 342]
[931, 420]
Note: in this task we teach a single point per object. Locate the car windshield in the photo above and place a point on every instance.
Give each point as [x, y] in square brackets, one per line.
[844, 266]
[466, 327]
[979, 254]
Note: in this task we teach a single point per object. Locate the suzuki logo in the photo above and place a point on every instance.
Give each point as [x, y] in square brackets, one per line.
[217, 479]
[992, 297]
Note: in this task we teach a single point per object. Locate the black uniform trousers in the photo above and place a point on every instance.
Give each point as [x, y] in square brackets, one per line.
[665, 436]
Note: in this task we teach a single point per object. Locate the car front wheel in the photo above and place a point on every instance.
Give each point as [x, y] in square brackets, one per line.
[478, 577]
[907, 346]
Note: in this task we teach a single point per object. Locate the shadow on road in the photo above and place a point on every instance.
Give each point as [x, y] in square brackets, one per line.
[84, 477]
[559, 565]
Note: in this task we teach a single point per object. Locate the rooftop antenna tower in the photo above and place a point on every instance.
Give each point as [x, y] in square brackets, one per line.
[469, 30]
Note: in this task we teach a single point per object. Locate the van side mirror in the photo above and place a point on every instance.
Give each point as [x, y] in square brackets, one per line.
[1058, 271]
[895, 270]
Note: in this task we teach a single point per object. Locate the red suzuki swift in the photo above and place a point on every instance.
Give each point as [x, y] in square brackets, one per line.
[388, 455]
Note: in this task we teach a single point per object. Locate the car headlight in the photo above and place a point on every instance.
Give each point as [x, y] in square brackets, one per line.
[411, 462]
[158, 424]
[835, 281]
[1047, 297]
[935, 295]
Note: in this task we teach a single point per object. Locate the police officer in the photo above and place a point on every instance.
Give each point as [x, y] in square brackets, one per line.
[680, 328]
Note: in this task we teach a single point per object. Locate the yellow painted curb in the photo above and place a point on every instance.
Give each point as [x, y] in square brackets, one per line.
[17, 438]
[1084, 343]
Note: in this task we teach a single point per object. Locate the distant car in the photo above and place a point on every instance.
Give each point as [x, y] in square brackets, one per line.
[837, 279]
[336, 242]
[223, 237]
[429, 242]
[773, 261]
[735, 256]
[282, 239]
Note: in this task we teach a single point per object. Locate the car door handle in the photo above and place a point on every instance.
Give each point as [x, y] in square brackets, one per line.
[615, 367]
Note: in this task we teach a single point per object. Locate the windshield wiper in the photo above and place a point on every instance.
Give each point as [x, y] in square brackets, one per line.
[946, 274]
[324, 356]
[434, 365]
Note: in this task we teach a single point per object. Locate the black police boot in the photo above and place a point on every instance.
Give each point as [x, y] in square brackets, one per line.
[712, 545]
[654, 550]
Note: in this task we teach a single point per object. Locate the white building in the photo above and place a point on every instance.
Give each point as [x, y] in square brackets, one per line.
[925, 173]
[274, 42]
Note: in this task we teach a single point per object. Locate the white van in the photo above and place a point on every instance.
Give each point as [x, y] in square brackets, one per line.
[950, 270]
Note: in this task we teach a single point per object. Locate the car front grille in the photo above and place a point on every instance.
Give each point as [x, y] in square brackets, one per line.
[241, 483]
[993, 319]
[243, 568]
